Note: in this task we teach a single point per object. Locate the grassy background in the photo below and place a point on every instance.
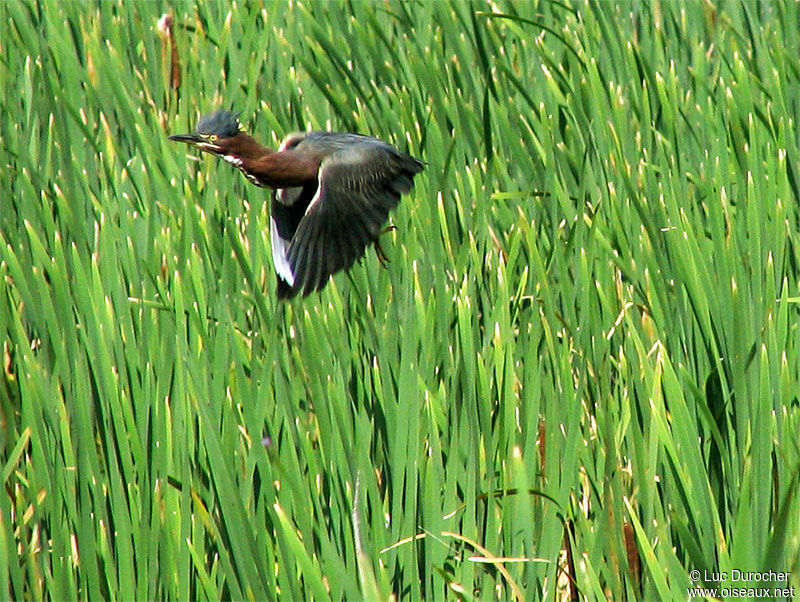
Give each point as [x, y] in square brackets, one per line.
[583, 357]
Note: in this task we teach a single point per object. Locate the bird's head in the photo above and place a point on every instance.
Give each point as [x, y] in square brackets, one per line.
[216, 133]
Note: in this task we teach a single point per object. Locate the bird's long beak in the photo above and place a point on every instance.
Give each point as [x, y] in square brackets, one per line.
[187, 138]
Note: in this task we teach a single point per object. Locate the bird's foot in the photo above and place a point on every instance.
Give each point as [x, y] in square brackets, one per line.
[379, 250]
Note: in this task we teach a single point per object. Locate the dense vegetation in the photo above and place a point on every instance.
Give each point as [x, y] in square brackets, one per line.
[577, 377]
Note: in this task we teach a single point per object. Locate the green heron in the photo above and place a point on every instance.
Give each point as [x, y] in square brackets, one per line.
[332, 194]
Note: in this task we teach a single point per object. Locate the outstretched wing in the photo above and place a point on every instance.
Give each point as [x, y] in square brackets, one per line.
[357, 185]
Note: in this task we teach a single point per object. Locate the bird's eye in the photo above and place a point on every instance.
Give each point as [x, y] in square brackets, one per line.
[212, 138]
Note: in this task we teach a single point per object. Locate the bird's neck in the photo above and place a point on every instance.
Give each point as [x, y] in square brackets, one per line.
[247, 149]
[284, 169]
[266, 167]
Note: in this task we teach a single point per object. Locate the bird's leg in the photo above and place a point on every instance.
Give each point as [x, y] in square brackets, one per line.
[378, 250]
[380, 253]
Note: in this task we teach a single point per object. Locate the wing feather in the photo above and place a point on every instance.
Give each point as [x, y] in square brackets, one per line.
[359, 182]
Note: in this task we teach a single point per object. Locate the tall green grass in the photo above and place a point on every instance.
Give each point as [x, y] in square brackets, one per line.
[577, 377]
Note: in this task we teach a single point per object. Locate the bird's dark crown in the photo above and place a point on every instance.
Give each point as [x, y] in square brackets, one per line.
[222, 123]
[218, 132]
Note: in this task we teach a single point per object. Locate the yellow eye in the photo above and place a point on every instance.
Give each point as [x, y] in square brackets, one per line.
[212, 138]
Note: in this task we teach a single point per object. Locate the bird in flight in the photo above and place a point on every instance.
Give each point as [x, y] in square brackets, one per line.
[332, 194]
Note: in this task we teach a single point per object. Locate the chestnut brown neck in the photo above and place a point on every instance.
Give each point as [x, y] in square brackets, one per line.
[275, 169]
[243, 146]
